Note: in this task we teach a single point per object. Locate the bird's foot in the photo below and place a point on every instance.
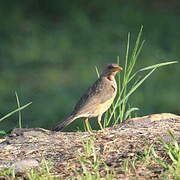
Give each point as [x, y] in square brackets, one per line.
[90, 132]
[104, 131]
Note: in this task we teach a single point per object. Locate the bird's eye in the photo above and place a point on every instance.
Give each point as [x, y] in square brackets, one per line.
[109, 67]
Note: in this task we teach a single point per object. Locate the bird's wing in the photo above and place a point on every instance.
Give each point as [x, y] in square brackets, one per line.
[101, 91]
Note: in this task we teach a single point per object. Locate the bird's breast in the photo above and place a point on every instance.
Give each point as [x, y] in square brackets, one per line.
[105, 106]
[112, 92]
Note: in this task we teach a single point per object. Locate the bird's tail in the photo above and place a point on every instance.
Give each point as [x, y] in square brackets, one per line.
[66, 122]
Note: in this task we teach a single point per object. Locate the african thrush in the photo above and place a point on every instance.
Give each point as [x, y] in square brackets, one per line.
[96, 100]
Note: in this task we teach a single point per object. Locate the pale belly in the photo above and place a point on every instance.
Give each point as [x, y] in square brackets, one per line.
[105, 106]
[97, 110]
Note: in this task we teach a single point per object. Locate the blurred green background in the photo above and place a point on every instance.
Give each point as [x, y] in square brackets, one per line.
[49, 50]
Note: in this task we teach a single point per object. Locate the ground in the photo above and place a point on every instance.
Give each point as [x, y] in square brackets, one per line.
[122, 149]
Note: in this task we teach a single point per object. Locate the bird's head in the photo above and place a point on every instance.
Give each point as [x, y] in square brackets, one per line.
[112, 69]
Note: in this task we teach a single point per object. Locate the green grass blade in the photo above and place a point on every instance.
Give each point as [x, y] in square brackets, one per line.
[18, 104]
[137, 85]
[174, 140]
[135, 52]
[158, 65]
[97, 71]
[126, 59]
[129, 111]
[2, 132]
[16, 110]
[151, 67]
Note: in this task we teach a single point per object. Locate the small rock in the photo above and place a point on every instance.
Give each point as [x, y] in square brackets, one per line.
[23, 165]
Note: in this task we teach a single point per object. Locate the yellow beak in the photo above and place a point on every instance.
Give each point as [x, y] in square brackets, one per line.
[117, 68]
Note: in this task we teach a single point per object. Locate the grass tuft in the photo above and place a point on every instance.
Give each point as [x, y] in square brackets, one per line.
[16, 110]
[20, 116]
[172, 150]
[90, 163]
[128, 82]
[19, 109]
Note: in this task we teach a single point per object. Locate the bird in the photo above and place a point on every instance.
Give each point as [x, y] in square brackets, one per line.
[96, 100]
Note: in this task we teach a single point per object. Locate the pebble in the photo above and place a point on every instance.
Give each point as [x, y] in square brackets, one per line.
[23, 165]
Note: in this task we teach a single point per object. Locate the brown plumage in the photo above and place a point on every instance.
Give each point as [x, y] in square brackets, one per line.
[96, 100]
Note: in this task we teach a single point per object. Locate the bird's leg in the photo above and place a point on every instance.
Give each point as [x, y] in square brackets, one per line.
[104, 132]
[88, 126]
[99, 122]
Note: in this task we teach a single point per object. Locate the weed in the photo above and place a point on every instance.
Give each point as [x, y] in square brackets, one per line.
[128, 83]
[90, 163]
[172, 150]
